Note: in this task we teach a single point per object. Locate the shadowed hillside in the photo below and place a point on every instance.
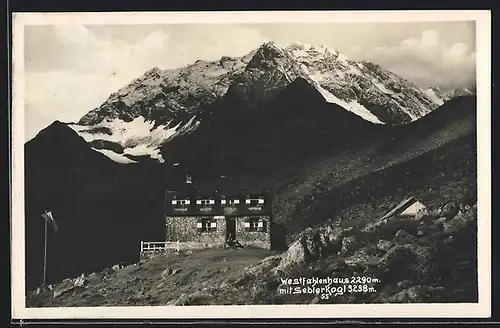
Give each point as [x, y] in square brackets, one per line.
[92, 198]
[323, 163]
[430, 258]
[295, 125]
[316, 185]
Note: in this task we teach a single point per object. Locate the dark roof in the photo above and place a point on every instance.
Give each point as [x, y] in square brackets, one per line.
[401, 207]
[230, 186]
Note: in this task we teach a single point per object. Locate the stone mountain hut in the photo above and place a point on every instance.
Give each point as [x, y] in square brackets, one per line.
[200, 216]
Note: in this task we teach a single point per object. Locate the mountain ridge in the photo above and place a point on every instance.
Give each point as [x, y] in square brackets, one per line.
[161, 105]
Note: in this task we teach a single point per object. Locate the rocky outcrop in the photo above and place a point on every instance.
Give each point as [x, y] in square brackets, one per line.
[165, 95]
[440, 95]
[311, 246]
[413, 259]
[462, 219]
[196, 298]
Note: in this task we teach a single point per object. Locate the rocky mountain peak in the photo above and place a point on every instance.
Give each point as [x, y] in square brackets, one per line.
[266, 56]
[168, 103]
[439, 95]
[308, 49]
[271, 45]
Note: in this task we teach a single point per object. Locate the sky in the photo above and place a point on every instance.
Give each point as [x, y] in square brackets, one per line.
[72, 69]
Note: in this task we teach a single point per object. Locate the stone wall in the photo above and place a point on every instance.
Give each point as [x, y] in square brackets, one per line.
[260, 239]
[183, 229]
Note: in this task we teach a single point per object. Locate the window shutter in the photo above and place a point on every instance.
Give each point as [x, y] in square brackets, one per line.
[199, 225]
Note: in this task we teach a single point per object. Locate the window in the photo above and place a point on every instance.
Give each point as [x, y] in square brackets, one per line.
[181, 202]
[206, 225]
[205, 202]
[254, 201]
[256, 224]
[230, 202]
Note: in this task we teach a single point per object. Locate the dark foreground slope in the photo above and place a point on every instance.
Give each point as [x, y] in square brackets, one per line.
[419, 259]
[105, 209]
[99, 205]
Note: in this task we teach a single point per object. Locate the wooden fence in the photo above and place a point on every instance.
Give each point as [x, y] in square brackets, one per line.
[156, 246]
[152, 246]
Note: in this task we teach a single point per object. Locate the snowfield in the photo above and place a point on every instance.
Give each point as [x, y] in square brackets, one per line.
[114, 156]
[352, 106]
[138, 137]
[432, 96]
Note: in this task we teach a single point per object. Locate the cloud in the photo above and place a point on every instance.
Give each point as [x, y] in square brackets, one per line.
[214, 41]
[63, 95]
[73, 72]
[427, 60]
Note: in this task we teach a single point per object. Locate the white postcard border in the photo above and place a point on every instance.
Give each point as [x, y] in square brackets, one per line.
[483, 58]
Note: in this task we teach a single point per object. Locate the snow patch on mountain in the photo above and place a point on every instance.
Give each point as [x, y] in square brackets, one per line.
[431, 93]
[357, 83]
[349, 82]
[145, 150]
[301, 49]
[342, 59]
[138, 137]
[114, 156]
[382, 87]
[440, 95]
[352, 106]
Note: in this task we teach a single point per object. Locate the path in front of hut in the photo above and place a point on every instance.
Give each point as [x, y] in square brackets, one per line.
[157, 281]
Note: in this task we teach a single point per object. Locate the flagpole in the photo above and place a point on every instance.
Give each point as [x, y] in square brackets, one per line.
[45, 255]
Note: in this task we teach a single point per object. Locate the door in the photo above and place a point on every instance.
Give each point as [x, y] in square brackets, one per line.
[231, 228]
